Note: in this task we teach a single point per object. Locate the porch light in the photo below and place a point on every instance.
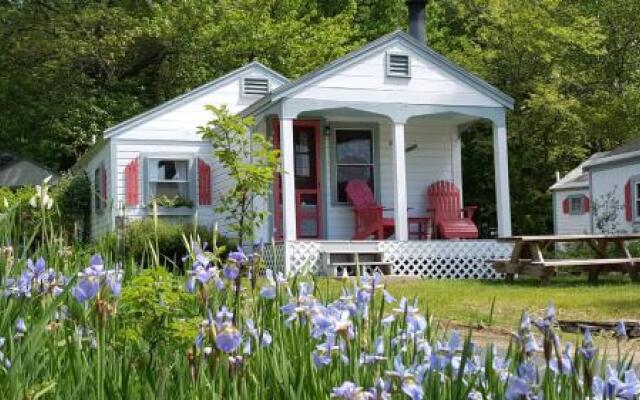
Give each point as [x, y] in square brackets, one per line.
[327, 130]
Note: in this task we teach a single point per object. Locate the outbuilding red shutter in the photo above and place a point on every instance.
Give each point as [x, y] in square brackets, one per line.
[132, 182]
[103, 184]
[628, 207]
[586, 204]
[204, 183]
[565, 205]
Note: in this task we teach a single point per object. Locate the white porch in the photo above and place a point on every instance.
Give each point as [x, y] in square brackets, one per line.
[412, 147]
[436, 259]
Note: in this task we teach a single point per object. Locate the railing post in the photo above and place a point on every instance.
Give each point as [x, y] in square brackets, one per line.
[399, 183]
[501, 161]
[288, 179]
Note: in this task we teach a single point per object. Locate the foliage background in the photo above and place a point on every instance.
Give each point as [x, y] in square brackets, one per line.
[70, 69]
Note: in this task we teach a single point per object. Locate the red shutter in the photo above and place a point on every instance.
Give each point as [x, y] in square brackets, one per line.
[586, 204]
[204, 183]
[103, 185]
[132, 182]
[565, 205]
[628, 207]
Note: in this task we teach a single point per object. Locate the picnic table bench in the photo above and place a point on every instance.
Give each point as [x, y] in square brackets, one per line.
[528, 258]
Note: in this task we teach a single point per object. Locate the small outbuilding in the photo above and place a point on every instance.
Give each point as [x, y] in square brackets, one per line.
[17, 171]
[601, 195]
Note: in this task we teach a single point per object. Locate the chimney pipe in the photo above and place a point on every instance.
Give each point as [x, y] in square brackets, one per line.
[417, 19]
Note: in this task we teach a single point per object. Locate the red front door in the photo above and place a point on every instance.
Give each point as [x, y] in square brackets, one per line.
[307, 171]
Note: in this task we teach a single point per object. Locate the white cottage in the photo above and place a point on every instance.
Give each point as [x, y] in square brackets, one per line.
[606, 183]
[572, 201]
[159, 153]
[616, 175]
[389, 114]
[17, 171]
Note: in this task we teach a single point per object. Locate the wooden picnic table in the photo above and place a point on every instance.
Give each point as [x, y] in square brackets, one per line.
[528, 258]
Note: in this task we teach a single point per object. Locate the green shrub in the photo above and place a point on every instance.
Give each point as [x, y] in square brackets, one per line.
[72, 197]
[140, 234]
[26, 217]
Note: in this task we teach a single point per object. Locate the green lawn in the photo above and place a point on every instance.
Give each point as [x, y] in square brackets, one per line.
[470, 301]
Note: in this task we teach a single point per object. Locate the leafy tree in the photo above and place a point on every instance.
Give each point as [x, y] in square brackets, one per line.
[251, 163]
[70, 69]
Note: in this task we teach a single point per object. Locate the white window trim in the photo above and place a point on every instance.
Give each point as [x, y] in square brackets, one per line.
[573, 197]
[191, 181]
[334, 165]
[388, 65]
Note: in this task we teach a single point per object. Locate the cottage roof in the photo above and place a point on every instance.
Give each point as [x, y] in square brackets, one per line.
[577, 178]
[624, 153]
[200, 90]
[357, 55]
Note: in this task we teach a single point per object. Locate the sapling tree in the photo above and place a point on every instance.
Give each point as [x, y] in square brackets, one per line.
[606, 211]
[251, 163]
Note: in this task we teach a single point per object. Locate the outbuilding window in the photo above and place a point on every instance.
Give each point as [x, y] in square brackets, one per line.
[576, 205]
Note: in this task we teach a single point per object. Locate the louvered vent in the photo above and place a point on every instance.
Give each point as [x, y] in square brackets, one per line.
[398, 65]
[255, 86]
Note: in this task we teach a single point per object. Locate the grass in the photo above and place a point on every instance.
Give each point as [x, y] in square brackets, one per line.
[470, 301]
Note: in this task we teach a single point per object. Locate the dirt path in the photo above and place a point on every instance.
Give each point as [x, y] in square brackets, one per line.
[500, 338]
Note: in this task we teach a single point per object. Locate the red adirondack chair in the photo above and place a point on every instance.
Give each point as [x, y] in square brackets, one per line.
[368, 214]
[450, 219]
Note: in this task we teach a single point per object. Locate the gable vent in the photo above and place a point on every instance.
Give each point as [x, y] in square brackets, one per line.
[398, 65]
[255, 86]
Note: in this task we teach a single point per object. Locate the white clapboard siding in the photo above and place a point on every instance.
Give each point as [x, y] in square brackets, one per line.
[613, 178]
[101, 220]
[434, 159]
[128, 151]
[173, 130]
[367, 81]
[569, 224]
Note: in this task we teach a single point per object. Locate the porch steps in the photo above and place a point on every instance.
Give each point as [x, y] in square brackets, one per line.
[334, 263]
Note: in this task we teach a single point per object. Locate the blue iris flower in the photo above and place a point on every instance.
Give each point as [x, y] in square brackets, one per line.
[230, 272]
[620, 329]
[228, 338]
[237, 257]
[517, 389]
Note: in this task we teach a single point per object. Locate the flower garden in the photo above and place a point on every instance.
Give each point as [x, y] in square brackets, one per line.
[77, 325]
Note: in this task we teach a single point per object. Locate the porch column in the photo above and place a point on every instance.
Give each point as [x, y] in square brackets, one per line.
[288, 179]
[399, 183]
[501, 165]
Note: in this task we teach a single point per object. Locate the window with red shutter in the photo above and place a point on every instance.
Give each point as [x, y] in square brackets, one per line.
[576, 204]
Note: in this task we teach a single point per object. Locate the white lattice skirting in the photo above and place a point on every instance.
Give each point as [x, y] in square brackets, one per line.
[430, 259]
